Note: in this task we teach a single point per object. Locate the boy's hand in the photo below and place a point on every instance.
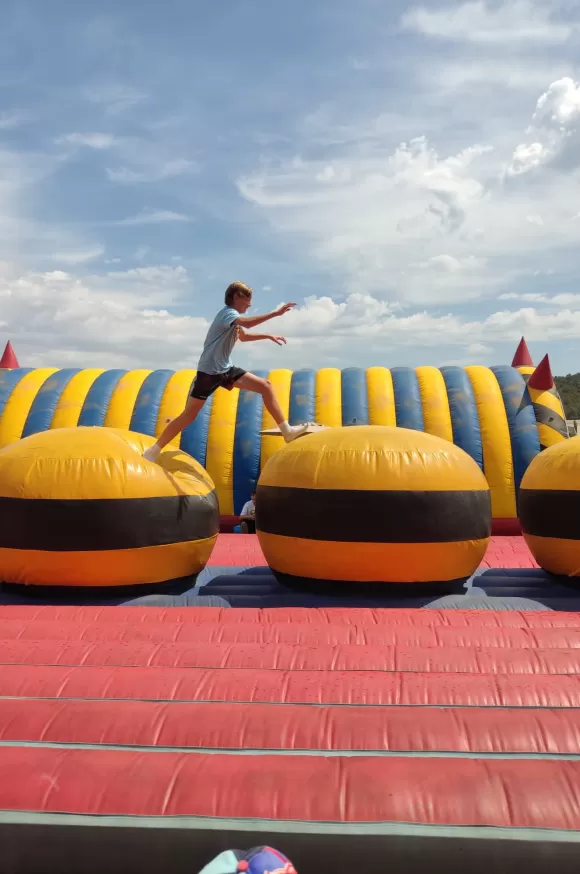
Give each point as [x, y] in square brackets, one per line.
[281, 341]
[286, 307]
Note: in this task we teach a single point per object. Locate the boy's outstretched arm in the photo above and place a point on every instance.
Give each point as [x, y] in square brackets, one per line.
[253, 321]
[247, 338]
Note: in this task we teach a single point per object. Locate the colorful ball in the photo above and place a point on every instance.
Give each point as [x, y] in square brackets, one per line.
[373, 504]
[259, 860]
[549, 508]
[81, 507]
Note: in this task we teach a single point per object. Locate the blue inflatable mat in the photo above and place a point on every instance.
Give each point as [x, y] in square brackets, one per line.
[258, 587]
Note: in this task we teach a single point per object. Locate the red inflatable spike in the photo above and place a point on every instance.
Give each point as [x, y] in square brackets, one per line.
[522, 358]
[542, 379]
[9, 360]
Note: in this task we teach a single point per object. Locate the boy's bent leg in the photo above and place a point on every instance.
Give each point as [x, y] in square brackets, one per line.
[174, 428]
[263, 387]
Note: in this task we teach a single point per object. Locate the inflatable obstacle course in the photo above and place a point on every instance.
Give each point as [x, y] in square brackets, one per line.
[498, 415]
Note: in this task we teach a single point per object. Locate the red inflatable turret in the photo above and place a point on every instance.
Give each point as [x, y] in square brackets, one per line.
[522, 358]
[542, 379]
[9, 360]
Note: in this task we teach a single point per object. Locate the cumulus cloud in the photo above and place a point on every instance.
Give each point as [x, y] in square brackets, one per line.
[556, 124]
[123, 318]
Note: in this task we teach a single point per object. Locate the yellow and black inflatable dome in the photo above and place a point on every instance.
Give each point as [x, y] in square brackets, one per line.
[81, 507]
[373, 504]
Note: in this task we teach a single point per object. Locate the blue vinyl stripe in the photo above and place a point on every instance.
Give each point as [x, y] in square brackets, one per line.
[194, 437]
[9, 379]
[302, 397]
[521, 419]
[408, 404]
[46, 401]
[355, 403]
[146, 409]
[98, 397]
[247, 444]
[464, 416]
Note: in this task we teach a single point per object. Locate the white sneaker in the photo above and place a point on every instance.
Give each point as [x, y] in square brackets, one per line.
[152, 454]
[295, 431]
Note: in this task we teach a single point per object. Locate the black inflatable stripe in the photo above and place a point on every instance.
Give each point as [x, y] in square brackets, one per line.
[550, 513]
[128, 523]
[374, 516]
[546, 416]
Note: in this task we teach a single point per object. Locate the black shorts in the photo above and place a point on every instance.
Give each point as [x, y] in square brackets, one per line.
[206, 383]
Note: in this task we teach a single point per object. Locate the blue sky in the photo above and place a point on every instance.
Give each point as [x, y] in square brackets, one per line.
[408, 173]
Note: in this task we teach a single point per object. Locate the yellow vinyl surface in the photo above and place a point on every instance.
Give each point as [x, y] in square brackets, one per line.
[555, 555]
[373, 457]
[122, 403]
[495, 435]
[150, 564]
[434, 401]
[369, 562]
[219, 460]
[73, 397]
[381, 397]
[556, 468]
[91, 463]
[16, 411]
[281, 380]
[174, 401]
[328, 397]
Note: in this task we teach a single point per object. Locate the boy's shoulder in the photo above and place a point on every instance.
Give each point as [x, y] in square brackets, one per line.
[226, 314]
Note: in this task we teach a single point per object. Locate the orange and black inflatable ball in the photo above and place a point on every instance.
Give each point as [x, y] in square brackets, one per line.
[549, 508]
[81, 507]
[373, 504]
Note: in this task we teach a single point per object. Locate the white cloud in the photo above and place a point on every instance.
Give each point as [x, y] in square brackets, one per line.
[97, 141]
[556, 123]
[510, 21]
[478, 223]
[116, 319]
[559, 104]
[154, 217]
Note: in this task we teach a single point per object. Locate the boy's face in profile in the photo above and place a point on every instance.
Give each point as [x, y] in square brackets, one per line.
[242, 304]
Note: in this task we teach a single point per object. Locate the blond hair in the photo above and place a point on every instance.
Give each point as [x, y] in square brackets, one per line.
[237, 288]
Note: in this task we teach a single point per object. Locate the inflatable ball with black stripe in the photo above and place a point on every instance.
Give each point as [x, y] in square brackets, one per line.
[372, 504]
[81, 507]
[549, 508]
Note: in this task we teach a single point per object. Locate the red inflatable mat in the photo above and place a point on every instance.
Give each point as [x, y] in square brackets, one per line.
[227, 726]
[37, 640]
[510, 793]
[385, 689]
[243, 550]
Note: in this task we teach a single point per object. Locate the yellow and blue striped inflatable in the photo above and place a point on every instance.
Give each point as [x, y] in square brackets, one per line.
[488, 412]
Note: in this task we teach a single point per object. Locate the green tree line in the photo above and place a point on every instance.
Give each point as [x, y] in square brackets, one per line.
[569, 389]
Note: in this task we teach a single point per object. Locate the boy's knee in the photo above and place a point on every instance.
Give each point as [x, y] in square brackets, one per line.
[267, 387]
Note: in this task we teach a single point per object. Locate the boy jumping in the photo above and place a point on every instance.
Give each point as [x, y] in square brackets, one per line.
[215, 368]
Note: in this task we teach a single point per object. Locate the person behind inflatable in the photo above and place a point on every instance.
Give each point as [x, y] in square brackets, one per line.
[248, 515]
[259, 860]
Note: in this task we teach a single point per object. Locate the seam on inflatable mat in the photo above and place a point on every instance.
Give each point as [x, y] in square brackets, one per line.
[291, 826]
[566, 707]
[281, 752]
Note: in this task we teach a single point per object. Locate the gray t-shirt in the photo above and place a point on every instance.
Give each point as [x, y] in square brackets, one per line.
[219, 343]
